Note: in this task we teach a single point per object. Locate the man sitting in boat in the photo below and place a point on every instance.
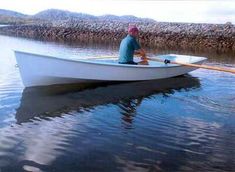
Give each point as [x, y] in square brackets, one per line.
[130, 47]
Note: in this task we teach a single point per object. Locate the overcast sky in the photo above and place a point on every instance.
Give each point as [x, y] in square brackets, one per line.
[197, 11]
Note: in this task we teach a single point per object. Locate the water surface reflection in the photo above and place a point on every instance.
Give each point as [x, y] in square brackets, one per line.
[179, 124]
[51, 101]
[51, 136]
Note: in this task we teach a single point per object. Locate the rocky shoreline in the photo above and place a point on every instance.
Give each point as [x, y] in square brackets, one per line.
[216, 37]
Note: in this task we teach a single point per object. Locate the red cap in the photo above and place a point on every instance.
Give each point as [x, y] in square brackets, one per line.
[132, 29]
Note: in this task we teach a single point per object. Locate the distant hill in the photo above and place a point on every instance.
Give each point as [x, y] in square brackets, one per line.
[117, 18]
[10, 13]
[9, 17]
[126, 18]
[54, 14]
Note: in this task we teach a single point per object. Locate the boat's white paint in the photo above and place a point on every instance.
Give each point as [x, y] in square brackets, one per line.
[38, 70]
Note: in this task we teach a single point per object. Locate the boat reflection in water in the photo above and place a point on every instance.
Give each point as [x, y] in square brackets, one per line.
[50, 137]
[52, 101]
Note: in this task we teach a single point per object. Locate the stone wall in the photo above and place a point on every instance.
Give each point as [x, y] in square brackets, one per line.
[218, 37]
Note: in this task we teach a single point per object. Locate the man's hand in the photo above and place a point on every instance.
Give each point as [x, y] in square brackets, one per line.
[141, 52]
[144, 58]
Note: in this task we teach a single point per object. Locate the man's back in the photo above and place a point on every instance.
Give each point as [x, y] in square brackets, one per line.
[127, 49]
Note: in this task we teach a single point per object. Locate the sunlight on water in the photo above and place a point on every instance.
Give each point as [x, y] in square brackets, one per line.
[185, 123]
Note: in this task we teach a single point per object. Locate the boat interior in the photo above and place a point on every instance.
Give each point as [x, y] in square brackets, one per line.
[171, 57]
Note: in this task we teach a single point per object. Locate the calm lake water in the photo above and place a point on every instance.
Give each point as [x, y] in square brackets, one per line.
[180, 124]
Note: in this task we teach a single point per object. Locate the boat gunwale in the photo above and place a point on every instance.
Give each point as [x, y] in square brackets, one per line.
[105, 64]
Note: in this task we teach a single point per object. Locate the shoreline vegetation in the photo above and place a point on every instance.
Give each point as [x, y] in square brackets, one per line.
[58, 25]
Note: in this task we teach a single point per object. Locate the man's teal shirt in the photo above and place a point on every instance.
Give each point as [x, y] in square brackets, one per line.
[127, 49]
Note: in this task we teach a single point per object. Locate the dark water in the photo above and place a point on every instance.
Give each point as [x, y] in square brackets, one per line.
[185, 123]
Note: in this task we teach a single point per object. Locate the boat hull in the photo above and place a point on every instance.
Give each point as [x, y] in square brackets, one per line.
[39, 70]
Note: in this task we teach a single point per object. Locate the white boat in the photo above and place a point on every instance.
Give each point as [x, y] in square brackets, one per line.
[39, 70]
